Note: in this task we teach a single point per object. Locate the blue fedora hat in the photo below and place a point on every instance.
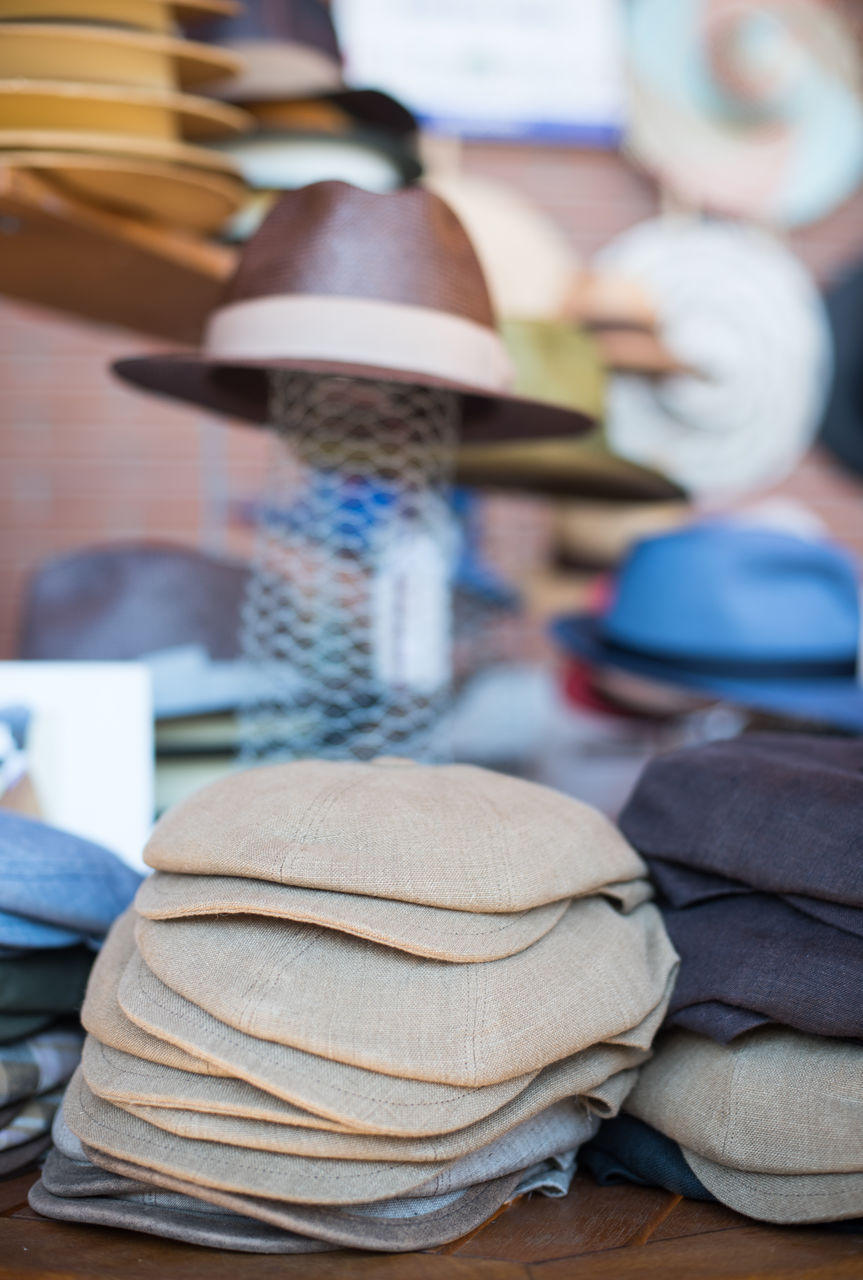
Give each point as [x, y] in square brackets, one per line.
[758, 618]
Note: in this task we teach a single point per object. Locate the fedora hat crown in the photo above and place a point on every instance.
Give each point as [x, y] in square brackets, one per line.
[332, 239]
[726, 593]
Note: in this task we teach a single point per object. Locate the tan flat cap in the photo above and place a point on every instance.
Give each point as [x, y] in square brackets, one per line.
[128, 1081]
[364, 1100]
[438, 835]
[776, 1101]
[395, 1227]
[286, 1139]
[433, 932]
[301, 1179]
[592, 978]
[102, 1016]
[801, 1198]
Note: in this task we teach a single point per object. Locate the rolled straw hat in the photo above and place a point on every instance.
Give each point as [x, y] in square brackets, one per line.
[750, 408]
[340, 281]
[451, 836]
[559, 364]
[148, 15]
[48, 51]
[307, 992]
[365, 1100]
[775, 1102]
[747, 108]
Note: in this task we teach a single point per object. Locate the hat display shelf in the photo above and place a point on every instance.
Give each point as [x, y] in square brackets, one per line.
[348, 612]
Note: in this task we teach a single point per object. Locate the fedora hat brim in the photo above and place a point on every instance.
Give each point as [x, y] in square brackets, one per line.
[836, 701]
[184, 197]
[241, 390]
[564, 469]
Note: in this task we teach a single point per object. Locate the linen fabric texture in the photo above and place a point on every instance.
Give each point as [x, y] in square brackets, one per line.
[772, 1125]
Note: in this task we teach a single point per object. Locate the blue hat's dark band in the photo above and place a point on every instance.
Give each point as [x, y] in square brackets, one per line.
[743, 668]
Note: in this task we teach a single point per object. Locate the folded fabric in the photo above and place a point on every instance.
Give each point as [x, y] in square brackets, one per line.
[54, 878]
[38, 1064]
[33, 1120]
[777, 812]
[684, 887]
[592, 978]
[18, 1026]
[782, 1198]
[52, 982]
[18, 1158]
[19, 935]
[761, 956]
[777, 1102]
[455, 836]
[626, 1150]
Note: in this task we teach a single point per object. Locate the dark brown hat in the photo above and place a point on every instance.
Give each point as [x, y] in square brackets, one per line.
[341, 281]
[291, 50]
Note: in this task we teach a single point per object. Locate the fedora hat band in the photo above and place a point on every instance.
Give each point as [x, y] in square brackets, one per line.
[360, 331]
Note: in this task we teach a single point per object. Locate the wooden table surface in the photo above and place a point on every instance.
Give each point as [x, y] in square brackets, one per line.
[619, 1233]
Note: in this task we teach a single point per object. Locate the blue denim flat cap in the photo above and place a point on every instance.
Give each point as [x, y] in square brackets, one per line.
[51, 878]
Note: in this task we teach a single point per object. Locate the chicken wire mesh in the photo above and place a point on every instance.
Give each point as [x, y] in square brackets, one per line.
[348, 613]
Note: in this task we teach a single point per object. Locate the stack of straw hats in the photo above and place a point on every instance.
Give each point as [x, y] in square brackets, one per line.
[58, 896]
[367, 1004]
[755, 846]
[101, 99]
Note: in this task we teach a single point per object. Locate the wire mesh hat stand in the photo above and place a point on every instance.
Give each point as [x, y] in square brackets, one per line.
[348, 613]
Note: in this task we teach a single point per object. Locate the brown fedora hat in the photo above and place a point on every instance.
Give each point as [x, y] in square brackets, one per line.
[341, 281]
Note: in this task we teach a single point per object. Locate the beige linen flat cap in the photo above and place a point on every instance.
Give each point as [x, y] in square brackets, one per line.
[590, 979]
[434, 932]
[438, 835]
[775, 1102]
[789, 1198]
[128, 1081]
[297, 1179]
[395, 1227]
[102, 1016]
[372, 1103]
[289, 1140]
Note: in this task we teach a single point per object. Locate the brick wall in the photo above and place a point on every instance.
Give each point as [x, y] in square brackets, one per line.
[84, 460]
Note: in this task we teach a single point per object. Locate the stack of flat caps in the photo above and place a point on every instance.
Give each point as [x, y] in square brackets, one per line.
[755, 846]
[366, 1004]
[58, 897]
[101, 98]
